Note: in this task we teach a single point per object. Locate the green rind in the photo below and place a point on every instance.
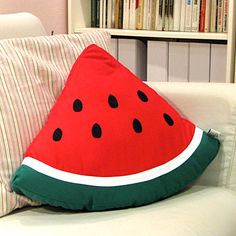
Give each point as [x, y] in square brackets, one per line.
[72, 196]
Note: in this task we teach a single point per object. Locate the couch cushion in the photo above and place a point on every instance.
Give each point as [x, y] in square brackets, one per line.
[32, 74]
[111, 142]
[209, 105]
[198, 211]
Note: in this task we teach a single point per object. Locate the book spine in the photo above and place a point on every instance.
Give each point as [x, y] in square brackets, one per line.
[126, 14]
[139, 23]
[156, 15]
[225, 16]
[166, 16]
[176, 15]
[116, 14]
[202, 16]
[149, 15]
[207, 16]
[113, 14]
[219, 16]
[93, 12]
[132, 14]
[178, 62]
[213, 16]
[195, 16]
[145, 7]
[182, 15]
[199, 57]
[120, 14]
[104, 21]
[101, 14]
[171, 15]
[109, 13]
[188, 15]
[153, 15]
[160, 22]
[157, 60]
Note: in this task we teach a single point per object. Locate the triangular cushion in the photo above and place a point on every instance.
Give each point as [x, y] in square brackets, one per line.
[111, 142]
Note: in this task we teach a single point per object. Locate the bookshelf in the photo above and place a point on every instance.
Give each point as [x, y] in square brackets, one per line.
[79, 20]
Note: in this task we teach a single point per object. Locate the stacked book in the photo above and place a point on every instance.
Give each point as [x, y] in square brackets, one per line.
[162, 15]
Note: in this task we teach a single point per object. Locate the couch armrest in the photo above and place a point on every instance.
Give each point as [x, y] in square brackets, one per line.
[209, 105]
[20, 25]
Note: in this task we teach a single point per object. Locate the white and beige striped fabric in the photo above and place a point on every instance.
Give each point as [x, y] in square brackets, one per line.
[33, 72]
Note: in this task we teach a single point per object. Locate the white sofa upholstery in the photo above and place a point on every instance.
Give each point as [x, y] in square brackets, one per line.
[18, 25]
[206, 209]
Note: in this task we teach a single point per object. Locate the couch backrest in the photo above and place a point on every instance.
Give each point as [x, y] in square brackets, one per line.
[18, 25]
[209, 106]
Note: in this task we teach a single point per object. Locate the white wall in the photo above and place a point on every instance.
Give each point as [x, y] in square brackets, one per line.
[52, 13]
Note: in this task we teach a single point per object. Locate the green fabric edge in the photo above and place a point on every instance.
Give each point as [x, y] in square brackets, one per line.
[72, 196]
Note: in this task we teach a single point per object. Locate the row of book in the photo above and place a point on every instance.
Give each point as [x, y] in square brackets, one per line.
[161, 15]
[172, 61]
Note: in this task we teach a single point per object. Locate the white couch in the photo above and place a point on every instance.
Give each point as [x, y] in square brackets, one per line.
[19, 25]
[208, 208]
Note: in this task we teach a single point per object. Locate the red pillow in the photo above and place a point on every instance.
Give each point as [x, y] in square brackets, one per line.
[111, 142]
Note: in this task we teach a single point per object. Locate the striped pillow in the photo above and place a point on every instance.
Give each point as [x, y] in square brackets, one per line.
[32, 74]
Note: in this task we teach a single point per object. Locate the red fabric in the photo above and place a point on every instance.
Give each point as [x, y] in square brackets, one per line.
[120, 150]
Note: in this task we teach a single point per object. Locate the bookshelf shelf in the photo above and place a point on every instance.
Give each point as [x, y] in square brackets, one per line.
[79, 20]
[160, 34]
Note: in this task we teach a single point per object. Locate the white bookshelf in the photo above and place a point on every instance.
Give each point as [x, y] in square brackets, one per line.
[79, 20]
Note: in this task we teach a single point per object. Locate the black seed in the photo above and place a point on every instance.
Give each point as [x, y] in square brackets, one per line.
[168, 119]
[143, 97]
[77, 105]
[137, 126]
[112, 101]
[96, 131]
[57, 135]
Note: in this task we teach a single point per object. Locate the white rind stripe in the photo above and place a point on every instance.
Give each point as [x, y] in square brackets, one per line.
[117, 180]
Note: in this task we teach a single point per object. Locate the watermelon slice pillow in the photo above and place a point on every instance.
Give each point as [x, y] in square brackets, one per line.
[111, 142]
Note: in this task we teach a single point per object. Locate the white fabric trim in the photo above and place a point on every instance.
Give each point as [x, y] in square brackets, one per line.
[117, 180]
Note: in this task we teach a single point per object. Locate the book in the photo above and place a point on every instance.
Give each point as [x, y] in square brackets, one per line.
[132, 14]
[113, 14]
[166, 15]
[101, 13]
[126, 14]
[133, 54]
[195, 16]
[97, 23]
[182, 15]
[109, 13]
[219, 27]
[202, 16]
[114, 47]
[159, 15]
[188, 16]
[157, 60]
[171, 15]
[225, 16]
[153, 14]
[93, 13]
[218, 62]
[145, 10]
[213, 16]
[139, 23]
[120, 15]
[207, 16]
[149, 15]
[176, 15]
[104, 14]
[199, 62]
[178, 62]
